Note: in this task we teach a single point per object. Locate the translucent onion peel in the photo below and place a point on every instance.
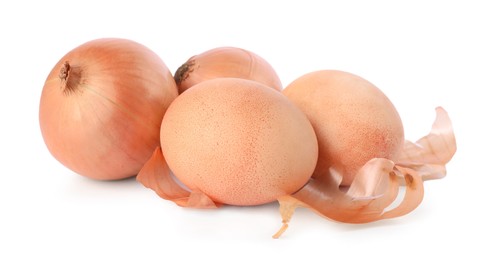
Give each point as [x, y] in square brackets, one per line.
[376, 185]
[429, 154]
[156, 175]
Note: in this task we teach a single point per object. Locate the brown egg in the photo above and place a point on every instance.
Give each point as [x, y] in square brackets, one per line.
[238, 141]
[354, 121]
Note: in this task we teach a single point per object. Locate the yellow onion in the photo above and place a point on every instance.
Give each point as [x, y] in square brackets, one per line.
[101, 107]
[226, 62]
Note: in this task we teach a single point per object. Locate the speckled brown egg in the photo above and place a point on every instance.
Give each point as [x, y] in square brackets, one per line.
[354, 120]
[238, 141]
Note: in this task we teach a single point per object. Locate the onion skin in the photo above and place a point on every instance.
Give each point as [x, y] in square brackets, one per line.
[226, 62]
[354, 121]
[376, 185]
[101, 107]
[238, 141]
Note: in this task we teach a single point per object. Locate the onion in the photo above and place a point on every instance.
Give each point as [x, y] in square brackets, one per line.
[232, 141]
[101, 107]
[226, 62]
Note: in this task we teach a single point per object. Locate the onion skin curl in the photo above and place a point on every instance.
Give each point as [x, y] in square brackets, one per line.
[101, 107]
[376, 184]
[226, 62]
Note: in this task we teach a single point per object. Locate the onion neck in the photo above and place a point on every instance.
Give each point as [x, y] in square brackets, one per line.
[183, 71]
[70, 77]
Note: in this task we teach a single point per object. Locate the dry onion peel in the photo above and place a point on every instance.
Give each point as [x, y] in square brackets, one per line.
[375, 186]
[323, 195]
[430, 153]
[413, 196]
[156, 175]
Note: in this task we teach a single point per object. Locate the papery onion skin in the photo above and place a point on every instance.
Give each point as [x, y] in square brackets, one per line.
[226, 62]
[354, 120]
[101, 107]
[375, 187]
[238, 142]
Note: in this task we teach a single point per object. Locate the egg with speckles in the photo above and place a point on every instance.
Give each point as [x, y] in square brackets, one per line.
[353, 119]
[238, 141]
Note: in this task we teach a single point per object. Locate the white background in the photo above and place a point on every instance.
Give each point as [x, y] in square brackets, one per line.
[422, 54]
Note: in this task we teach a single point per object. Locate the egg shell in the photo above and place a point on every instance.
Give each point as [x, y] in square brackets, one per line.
[238, 141]
[354, 120]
